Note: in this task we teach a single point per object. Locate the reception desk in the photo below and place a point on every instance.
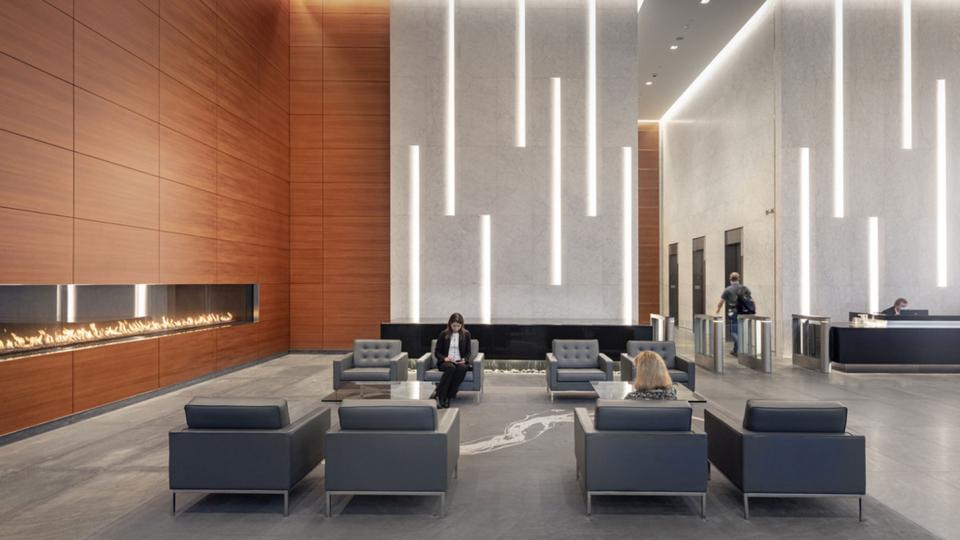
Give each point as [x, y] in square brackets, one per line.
[519, 340]
[905, 344]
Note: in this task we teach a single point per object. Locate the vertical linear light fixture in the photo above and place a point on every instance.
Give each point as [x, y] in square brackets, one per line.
[414, 294]
[873, 229]
[450, 165]
[521, 73]
[805, 231]
[941, 183]
[626, 255]
[555, 235]
[838, 109]
[907, 75]
[591, 108]
[71, 303]
[485, 264]
[139, 300]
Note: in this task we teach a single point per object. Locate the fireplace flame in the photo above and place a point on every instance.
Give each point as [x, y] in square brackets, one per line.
[114, 330]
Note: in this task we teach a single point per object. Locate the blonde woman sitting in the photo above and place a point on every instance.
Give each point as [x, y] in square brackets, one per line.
[653, 380]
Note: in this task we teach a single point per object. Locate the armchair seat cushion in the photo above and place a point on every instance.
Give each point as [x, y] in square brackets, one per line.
[580, 374]
[366, 374]
[434, 375]
[679, 376]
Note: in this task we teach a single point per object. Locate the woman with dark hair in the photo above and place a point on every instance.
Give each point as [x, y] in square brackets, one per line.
[453, 359]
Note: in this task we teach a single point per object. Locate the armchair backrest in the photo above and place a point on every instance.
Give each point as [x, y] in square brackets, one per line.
[375, 352]
[236, 413]
[628, 415]
[577, 353]
[474, 349]
[388, 415]
[666, 349]
[795, 416]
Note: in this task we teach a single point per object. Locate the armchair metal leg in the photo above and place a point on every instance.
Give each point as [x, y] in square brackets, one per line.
[286, 503]
[329, 505]
[456, 470]
[173, 509]
[589, 503]
[578, 471]
[703, 506]
[860, 500]
[746, 506]
[443, 497]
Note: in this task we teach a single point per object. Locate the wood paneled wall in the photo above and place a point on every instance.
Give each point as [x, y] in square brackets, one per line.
[648, 218]
[143, 141]
[340, 160]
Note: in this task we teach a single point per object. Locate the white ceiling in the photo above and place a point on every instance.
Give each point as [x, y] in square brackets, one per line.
[705, 28]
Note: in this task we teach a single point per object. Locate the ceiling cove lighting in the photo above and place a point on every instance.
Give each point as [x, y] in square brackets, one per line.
[626, 255]
[674, 47]
[555, 187]
[521, 76]
[907, 76]
[139, 301]
[485, 264]
[873, 231]
[591, 108]
[838, 109]
[414, 293]
[450, 164]
[805, 231]
[941, 183]
[639, 5]
[727, 50]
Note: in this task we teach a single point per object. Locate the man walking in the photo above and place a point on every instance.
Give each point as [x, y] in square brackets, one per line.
[739, 301]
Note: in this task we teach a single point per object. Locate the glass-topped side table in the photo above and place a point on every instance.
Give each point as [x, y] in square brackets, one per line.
[392, 390]
[620, 389]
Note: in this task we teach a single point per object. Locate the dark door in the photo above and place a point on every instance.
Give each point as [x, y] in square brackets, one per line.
[699, 293]
[732, 261]
[674, 269]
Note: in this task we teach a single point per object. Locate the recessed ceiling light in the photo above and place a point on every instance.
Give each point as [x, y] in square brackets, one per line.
[649, 83]
[674, 47]
[704, 1]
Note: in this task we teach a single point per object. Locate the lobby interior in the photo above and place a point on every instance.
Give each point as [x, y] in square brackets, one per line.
[232, 231]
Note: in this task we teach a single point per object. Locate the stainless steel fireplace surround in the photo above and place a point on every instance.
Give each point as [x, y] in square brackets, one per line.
[39, 319]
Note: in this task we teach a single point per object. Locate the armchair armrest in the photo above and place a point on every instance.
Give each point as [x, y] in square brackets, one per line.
[725, 445]
[340, 364]
[582, 426]
[399, 365]
[477, 365]
[690, 367]
[309, 434]
[424, 363]
[626, 367]
[606, 364]
[552, 366]
[449, 425]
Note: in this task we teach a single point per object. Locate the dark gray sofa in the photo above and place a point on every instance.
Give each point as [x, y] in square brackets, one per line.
[682, 371]
[789, 449]
[372, 360]
[640, 448]
[472, 381]
[574, 363]
[392, 447]
[244, 445]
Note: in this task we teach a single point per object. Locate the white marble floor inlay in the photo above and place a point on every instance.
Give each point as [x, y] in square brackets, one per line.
[519, 432]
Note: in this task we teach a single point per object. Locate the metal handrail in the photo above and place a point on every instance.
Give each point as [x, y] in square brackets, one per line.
[663, 329]
[708, 333]
[811, 348]
[755, 342]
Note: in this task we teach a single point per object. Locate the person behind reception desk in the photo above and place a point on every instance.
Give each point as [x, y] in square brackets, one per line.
[653, 380]
[453, 359]
[899, 305]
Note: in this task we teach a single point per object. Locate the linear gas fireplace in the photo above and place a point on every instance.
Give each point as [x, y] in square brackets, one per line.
[36, 319]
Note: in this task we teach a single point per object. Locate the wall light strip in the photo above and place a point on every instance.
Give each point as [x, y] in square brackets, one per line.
[838, 109]
[626, 255]
[717, 61]
[591, 108]
[485, 264]
[873, 227]
[805, 231]
[450, 164]
[139, 300]
[556, 255]
[414, 224]
[941, 183]
[639, 5]
[907, 76]
[521, 75]
[71, 303]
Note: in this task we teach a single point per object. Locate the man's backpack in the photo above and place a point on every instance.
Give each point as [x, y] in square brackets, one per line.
[745, 305]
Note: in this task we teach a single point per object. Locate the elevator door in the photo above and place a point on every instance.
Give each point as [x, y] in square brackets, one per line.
[674, 269]
[699, 294]
[733, 254]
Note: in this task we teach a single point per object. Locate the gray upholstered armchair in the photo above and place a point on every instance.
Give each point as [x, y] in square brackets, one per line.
[681, 370]
[473, 381]
[244, 445]
[574, 363]
[390, 447]
[372, 360]
[789, 449]
[665, 456]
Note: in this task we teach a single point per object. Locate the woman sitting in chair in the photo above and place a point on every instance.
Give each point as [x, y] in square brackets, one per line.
[653, 380]
[453, 359]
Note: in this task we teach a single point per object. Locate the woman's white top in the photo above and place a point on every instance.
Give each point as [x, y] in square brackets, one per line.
[454, 346]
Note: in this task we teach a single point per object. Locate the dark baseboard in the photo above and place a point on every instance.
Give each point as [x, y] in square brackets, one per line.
[896, 368]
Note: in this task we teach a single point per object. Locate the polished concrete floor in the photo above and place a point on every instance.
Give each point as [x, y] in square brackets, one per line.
[105, 477]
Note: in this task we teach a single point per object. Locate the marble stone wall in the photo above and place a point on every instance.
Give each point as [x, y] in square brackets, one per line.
[494, 176]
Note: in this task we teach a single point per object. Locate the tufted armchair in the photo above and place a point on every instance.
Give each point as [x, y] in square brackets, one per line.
[372, 360]
[681, 370]
[473, 381]
[574, 363]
